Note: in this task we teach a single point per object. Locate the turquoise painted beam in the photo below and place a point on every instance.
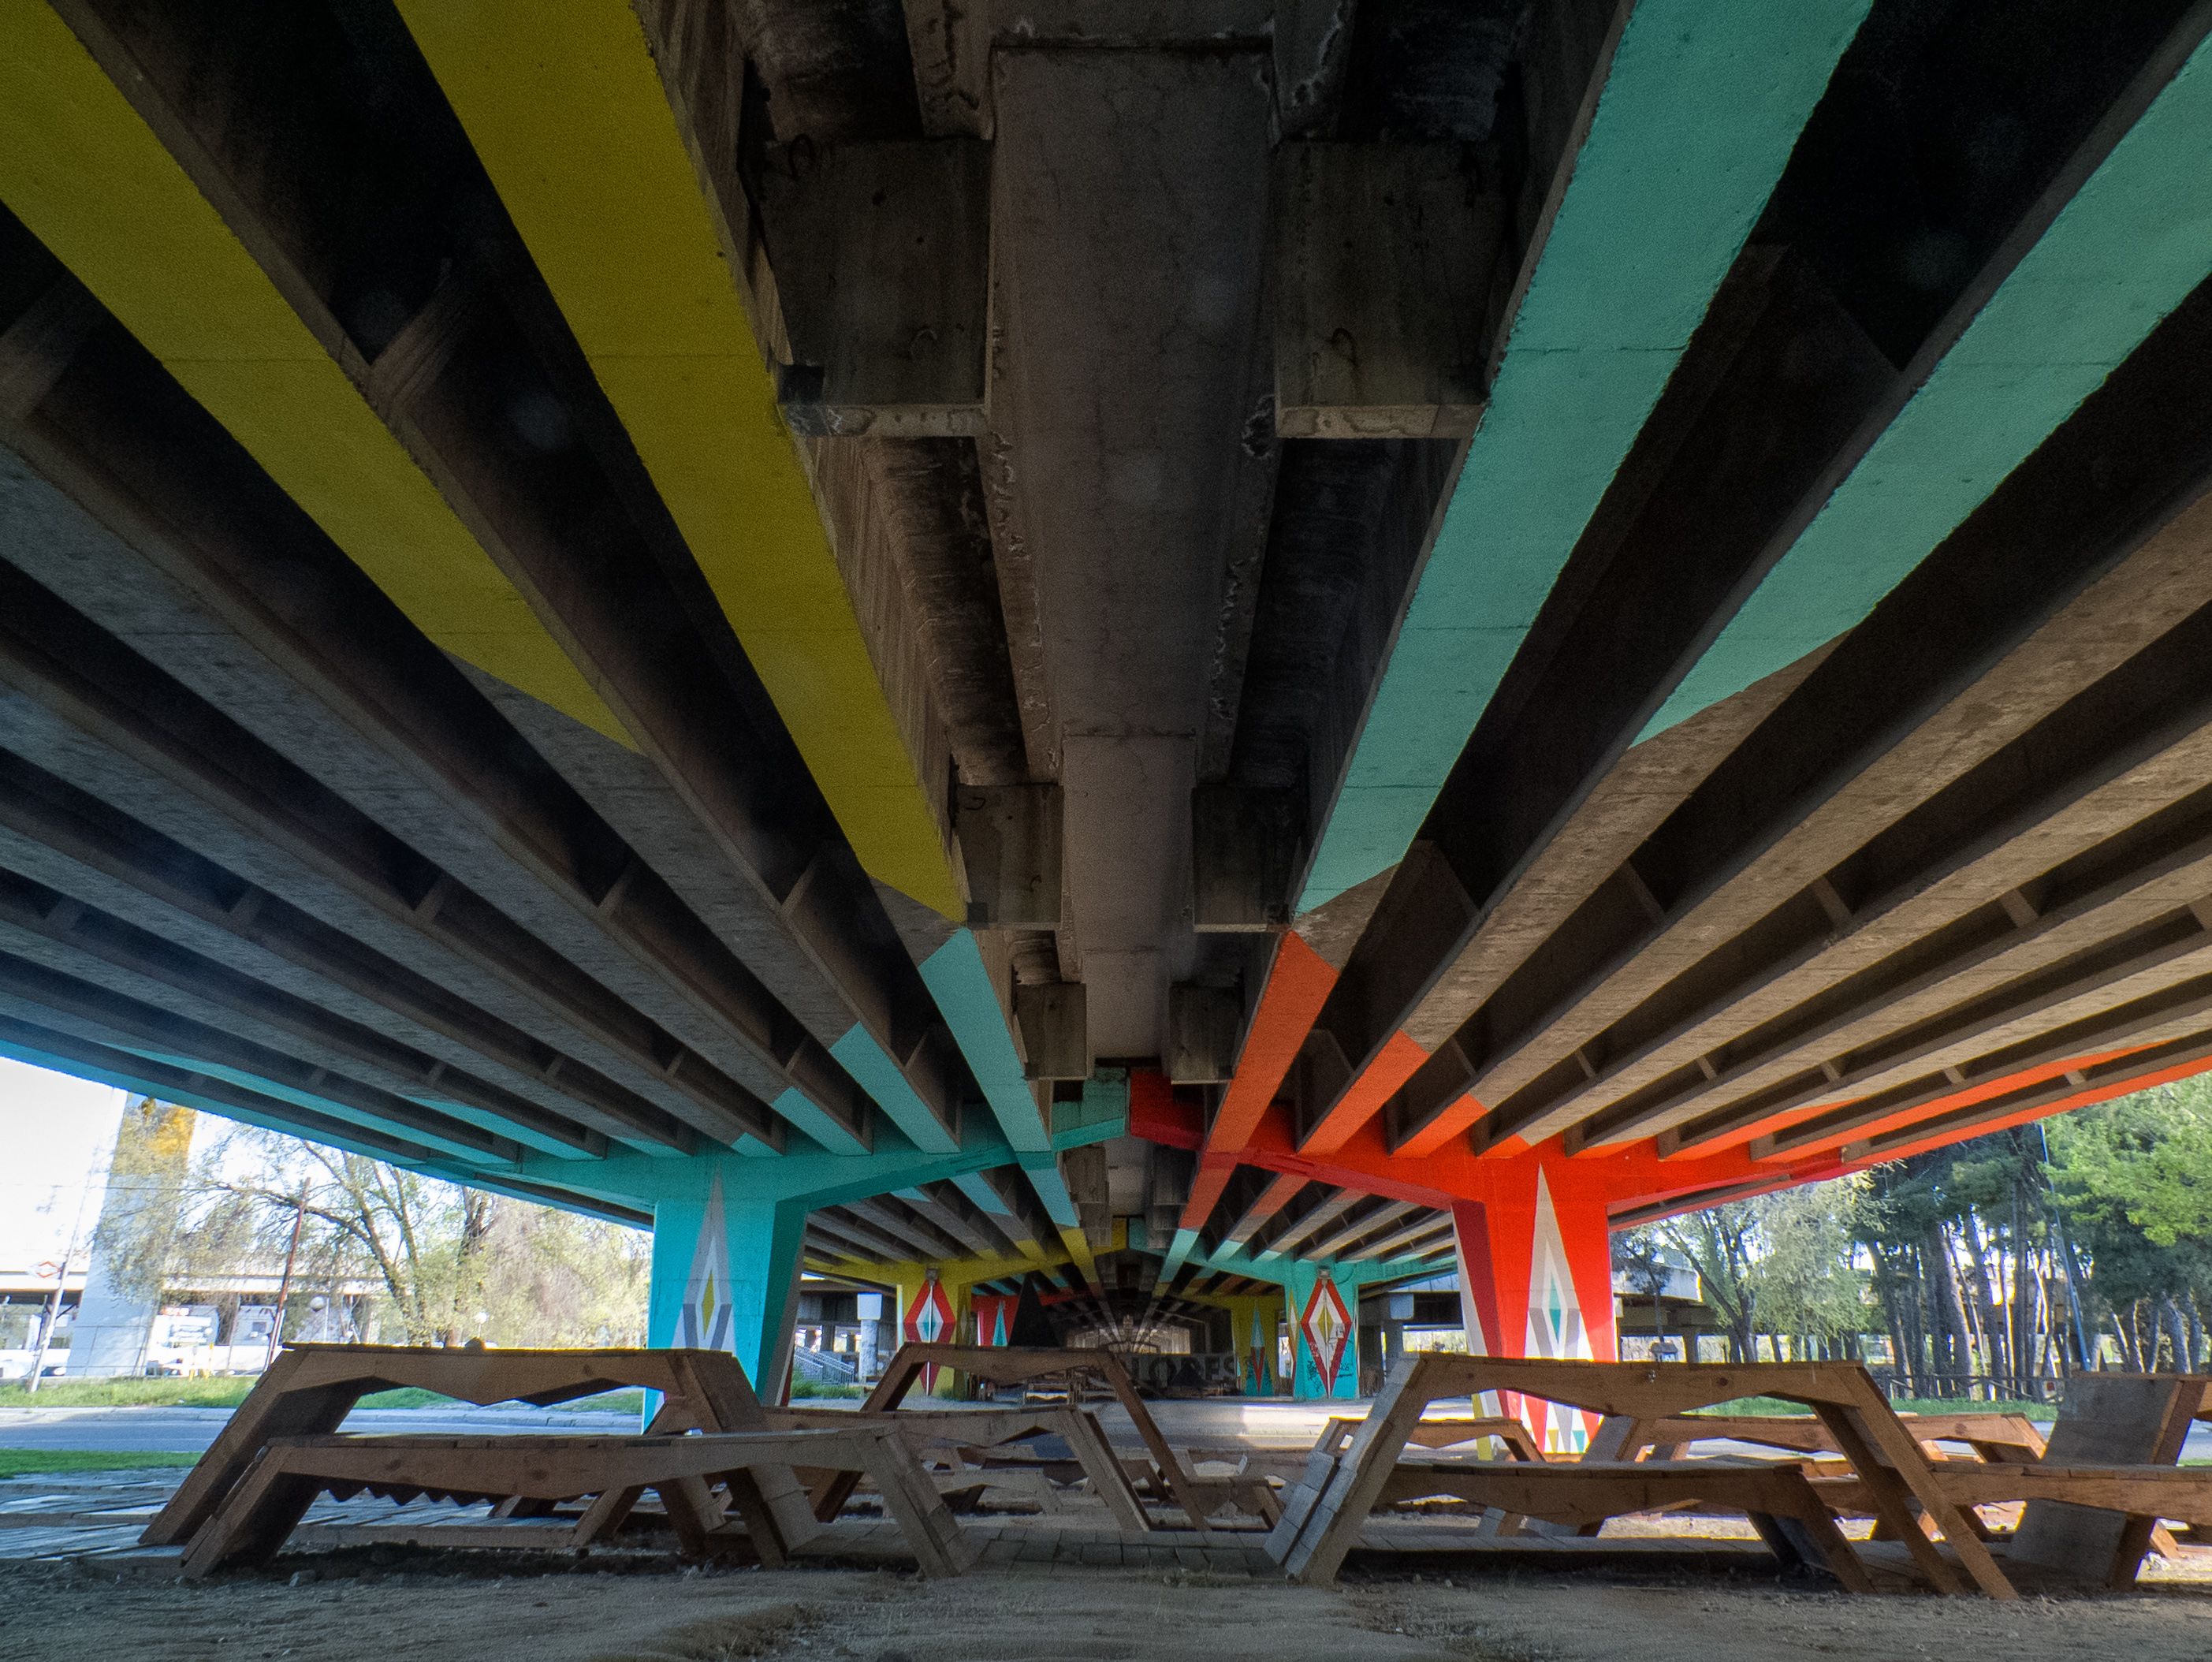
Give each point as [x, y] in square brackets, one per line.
[879, 1076]
[2128, 248]
[329, 1129]
[814, 1178]
[1701, 106]
[958, 980]
[1355, 1272]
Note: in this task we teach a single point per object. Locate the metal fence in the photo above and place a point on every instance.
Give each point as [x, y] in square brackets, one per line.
[1974, 1387]
[826, 1366]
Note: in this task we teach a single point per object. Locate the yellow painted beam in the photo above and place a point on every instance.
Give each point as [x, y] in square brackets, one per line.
[94, 182]
[956, 1275]
[565, 107]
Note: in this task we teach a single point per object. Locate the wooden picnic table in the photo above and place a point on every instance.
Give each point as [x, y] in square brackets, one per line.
[1199, 1498]
[309, 1391]
[983, 1437]
[689, 1474]
[1322, 1517]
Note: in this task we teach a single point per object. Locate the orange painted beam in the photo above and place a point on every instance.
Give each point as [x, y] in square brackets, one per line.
[1448, 1127]
[1364, 1098]
[1298, 985]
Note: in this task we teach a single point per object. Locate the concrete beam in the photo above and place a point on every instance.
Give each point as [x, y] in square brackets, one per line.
[1385, 257]
[882, 260]
[1009, 837]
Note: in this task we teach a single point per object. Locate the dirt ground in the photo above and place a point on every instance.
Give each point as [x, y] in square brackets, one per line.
[384, 1616]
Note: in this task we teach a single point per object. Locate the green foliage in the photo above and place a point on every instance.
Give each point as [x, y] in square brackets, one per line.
[2135, 1174]
[22, 1462]
[1804, 1280]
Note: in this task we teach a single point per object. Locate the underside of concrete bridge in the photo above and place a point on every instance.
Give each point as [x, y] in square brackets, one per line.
[1195, 656]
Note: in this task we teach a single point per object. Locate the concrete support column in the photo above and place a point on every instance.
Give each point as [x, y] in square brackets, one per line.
[1535, 1267]
[1252, 1323]
[936, 1306]
[725, 1277]
[1323, 1316]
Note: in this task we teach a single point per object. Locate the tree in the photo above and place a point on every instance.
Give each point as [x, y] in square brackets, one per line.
[1805, 1281]
[2133, 1178]
[451, 1264]
[1721, 1243]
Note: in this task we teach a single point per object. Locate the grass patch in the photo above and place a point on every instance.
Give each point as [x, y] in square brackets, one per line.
[129, 1393]
[1768, 1406]
[1953, 1405]
[230, 1392]
[815, 1388]
[33, 1462]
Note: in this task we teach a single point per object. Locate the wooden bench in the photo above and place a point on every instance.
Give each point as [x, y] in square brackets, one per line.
[1990, 1436]
[287, 1474]
[311, 1388]
[1322, 1517]
[1777, 1495]
[1520, 1442]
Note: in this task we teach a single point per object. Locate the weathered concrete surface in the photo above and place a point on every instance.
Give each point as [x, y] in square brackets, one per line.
[1129, 227]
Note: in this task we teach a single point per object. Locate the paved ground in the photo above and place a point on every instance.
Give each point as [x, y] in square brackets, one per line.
[1062, 1587]
[1260, 1425]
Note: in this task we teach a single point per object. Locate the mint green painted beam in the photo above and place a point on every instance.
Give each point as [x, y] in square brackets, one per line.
[879, 1076]
[2131, 245]
[958, 981]
[1700, 109]
[354, 1137]
[810, 1177]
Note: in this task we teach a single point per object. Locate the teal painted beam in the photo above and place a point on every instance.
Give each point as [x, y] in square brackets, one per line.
[332, 1132]
[464, 1155]
[2129, 246]
[1355, 1272]
[1702, 104]
[1044, 1172]
[987, 1199]
[1178, 1253]
[879, 1076]
[813, 1176]
[958, 980]
[800, 1111]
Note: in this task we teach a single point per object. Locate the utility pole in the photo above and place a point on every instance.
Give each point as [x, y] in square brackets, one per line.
[61, 1286]
[284, 1282]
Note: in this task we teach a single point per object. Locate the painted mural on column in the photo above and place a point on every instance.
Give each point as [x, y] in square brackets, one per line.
[1535, 1279]
[703, 1323]
[994, 1313]
[1326, 1324]
[929, 1319]
[1556, 1328]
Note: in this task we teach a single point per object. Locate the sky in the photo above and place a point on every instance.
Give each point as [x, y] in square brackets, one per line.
[56, 1134]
